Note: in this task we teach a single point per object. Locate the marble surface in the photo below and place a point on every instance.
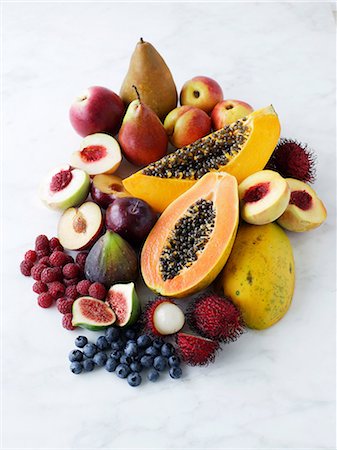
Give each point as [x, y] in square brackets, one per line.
[270, 389]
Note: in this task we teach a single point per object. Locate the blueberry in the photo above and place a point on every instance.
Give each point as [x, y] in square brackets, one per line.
[100, 359]
[76, 367]
[146, 361]
[122, 370]
[81, 341]
[90, 350]
[160, 363]
[134, 379]
[144, 340]
[136, 366]
[153, 375]
[75, 355]
[112, 334]
[111, 364]
[174, 361]
[167, 349]
[102, 343]
[130, 334]
[124, 359]
[131, 348]
[88, 365]
[157, 343]
[117, 345]
[152, 351]
[115, 354]
[175, 372]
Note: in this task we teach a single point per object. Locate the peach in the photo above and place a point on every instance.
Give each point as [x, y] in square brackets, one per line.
[229, 111]
[264, 196]
[305, 210]
[201, 92]
[186, 124]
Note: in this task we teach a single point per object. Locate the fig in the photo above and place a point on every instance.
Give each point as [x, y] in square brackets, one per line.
[124, 301]
[131, 218]
[93, 314]
[111, 260]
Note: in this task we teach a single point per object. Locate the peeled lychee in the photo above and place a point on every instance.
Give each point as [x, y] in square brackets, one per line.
[163, 317]
[196, 350]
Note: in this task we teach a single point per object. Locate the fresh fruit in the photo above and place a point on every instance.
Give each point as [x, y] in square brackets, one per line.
[192, 239]
[142, 136]
[96, 110]
[305, 210]
[131, 218]
[160, 363]
[149, 72]
[64, 187]
[174, 361]
[264, 196]
[64, 305]
[153, 375]
[88, 365]
[228, 111]
[100, 359]
[75, 355]
[99, 153]
[196, 350]
[292, 159]
[201, 92]
[81, 341]
[134, 379]
[259, 275]
[186, 124]
[106, 188]
[216, 318]
[97, 290]
[91, 313]
[102, 343]
[76, 367]
[111, 260]
[122, 370]
[124, 301]
[175, 372]
[111, 365]
[67, 321]
[26, 268]
[163, 317]
[78, 228]
[90, 350]
[45, 300]
[239, 149]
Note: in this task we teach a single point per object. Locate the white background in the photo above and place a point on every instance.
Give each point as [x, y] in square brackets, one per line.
[270, 389]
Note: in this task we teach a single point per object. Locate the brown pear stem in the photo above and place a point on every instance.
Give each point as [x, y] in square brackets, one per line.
[138, 96]
[141, 40]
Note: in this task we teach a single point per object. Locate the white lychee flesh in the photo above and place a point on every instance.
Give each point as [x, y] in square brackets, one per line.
[168, 318]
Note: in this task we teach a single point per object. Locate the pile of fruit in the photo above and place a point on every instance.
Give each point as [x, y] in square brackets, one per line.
[206, 218]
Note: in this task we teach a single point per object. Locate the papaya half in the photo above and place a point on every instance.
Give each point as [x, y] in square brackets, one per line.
[192, 239]
[239, 149]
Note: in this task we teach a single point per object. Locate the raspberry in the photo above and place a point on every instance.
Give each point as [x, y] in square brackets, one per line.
[71, 292]
[83, 287]
[64, 305]
[42, 253]
[30, 256]
[71, 270]
[97, 290]
[26, 268]
[66, 322]
[54, 244]
[45, 260]
[80, 259]
[42, 243]
[39, 287]
[70, 282]
[58, 248]
[50, 274]
[37, 270]
[59, 259]
[45, 300]
[56, 289]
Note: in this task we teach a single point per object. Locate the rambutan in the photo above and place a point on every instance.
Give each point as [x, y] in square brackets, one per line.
[196, 350]
[162, 317]
[216, 318]
[292, 159]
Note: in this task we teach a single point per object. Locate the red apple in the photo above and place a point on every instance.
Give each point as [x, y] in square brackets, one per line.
[97, 110]
[201, 92]
[229, 111]
[186, 124]
[106, 188]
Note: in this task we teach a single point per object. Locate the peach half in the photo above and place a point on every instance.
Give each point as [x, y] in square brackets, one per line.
[305, 210]
[264, 196]
[98, 153]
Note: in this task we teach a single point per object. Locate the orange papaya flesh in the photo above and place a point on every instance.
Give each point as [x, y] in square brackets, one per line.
[217, 189]
[240, 149]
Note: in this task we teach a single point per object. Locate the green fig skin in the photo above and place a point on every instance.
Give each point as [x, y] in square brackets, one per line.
[111, 260]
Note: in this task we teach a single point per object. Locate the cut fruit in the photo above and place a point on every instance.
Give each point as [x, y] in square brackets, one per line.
[93, 314]
[106, 188]
[163, 317]
[124, 301]
[64, 187]
[192, 239]
[78, 228]
[196, 350]
[240, 149]
[264, 196]
[98, 153]
[305, 210]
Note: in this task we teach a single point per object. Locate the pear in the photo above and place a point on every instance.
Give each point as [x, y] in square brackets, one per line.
[142, 136]
[149, 72]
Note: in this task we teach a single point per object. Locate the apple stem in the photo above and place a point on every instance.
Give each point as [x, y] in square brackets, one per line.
[138, 96]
